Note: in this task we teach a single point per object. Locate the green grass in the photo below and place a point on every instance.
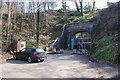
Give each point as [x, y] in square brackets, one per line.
[106, 50]
[74, 17]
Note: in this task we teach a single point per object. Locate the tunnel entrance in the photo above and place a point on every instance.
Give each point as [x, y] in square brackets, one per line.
[73, 35]
[80, 41]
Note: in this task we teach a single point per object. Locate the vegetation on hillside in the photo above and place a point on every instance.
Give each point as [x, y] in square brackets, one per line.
[105, 35]
[40, 25]
[106, 49]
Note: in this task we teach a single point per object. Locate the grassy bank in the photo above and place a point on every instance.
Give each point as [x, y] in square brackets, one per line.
[106, 49]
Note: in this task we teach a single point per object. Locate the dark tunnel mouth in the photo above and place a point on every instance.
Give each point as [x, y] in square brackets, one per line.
[82, 32]
[78, 37]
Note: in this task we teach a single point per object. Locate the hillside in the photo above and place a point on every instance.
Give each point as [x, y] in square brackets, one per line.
[105, 35]
[23, 28]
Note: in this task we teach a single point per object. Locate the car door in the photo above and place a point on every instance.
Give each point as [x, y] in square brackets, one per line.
[21, 54]
[27, 53]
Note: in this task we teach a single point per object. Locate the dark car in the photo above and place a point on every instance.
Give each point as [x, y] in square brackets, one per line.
[30, 55]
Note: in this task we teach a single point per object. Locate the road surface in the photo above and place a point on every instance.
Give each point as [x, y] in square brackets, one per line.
[65, 65]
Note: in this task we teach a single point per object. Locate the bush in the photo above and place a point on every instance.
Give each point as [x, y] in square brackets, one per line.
[106, 50]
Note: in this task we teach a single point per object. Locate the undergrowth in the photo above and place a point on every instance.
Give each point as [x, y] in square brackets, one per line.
[106, 50]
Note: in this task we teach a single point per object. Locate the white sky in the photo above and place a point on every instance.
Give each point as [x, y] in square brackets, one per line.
[103, 3]
[99, 3]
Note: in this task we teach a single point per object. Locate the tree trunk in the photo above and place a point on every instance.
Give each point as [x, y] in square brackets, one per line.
[34, 15]
[65, 11]
[77, 7]
[1, 11]
[37, 27]
[93, 7]
[81, 6]
[1, 14]
[8, 25]
[48, 5]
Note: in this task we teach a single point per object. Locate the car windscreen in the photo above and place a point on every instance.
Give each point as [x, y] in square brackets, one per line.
[40, 50]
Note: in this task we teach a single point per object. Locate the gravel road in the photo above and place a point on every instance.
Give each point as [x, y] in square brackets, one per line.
[65, 65]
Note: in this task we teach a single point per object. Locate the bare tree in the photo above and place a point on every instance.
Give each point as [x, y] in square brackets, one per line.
[77, 7]
[1, 14]
[1, 8]
[81, 7]
[38, 24]
[65, 11]
[9, 21]
[93, 6]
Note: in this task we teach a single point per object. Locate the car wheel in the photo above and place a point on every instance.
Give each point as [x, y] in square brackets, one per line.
[29, 59]
[14, 57]
[41, 60]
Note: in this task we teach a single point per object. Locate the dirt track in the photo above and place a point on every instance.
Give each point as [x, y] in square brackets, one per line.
[65, 65]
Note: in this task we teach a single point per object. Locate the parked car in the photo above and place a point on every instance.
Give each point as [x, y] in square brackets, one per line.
[30, 55]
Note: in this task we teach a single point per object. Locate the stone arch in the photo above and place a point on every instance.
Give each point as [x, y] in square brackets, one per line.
[68, 31]
[78, 31]
[73, 29]
[82, 32]
[72, 39]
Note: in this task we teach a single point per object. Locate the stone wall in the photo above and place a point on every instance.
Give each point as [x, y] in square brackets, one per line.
[69, 31]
